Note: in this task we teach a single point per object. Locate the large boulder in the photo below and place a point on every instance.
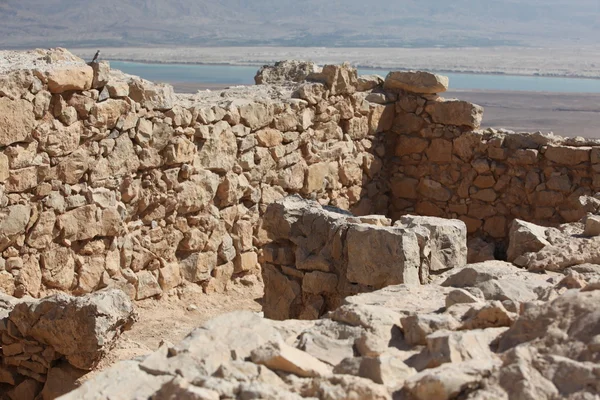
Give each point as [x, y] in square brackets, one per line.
[380, 256]
[416, 82]
[285, 71]
[525, 237]
[71, 77]
[443, 242]
[82, 329]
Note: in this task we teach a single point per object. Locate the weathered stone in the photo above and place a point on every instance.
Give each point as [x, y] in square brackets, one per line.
[525, 237]
[381, 257]
[17, 121]
[152, 96]
[455, 112]
[285, 71]
[83, 329]
[568, 155]
[75, 77]
[416, 82]
[58, 267]
[282, 357]
[339, 79]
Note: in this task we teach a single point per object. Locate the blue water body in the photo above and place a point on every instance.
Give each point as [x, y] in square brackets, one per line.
[244, 75]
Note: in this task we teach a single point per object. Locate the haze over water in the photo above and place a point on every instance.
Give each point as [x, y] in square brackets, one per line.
[244, 75]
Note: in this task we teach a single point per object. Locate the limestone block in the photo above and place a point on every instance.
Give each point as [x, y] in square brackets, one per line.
[455, 112]
[379, 256]
[416, 82]
[17, 120]
[74, 77]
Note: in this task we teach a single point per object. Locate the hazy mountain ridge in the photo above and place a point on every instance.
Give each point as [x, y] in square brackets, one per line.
[286, 22]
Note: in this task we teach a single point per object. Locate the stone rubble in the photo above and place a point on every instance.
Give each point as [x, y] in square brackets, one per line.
[403, 342]
[320, 255]
[42, 338]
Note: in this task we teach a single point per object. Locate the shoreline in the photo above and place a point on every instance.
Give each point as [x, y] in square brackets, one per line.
[437, 71]
[567, 63]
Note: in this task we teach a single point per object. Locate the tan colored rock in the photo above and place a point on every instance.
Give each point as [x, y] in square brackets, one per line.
[416, 82]
[566, 155]
[197, 267]
[152, 96]
[433, 190]
[219, 150]
[245, 262]
[455, 112]
[447, 381]
[418, 327]
[74, 77]
[369, 82]
[592, 226]
[58, 267]
[277, 302]
[108, 112]
[388, 370]
[256, 115]
[101, 73]
[443, 242]
[269, 137]
[22, 180]
[318, 282]
[147, 285]
[525, 237]
[64, 140]
[282, 357]
[180, 151]
[79, 224]
[117, 89]
[17, 121]
[15, 84]
[321, 176]
[310, 92]
[380, 257]
[4, 168]
[339, 79]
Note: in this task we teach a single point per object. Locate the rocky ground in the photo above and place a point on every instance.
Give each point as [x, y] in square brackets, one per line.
[489, 330]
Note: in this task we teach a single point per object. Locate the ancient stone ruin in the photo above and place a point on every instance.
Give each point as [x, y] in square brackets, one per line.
[405, 253]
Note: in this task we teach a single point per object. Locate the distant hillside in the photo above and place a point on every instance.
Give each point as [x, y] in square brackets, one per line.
[420, 23]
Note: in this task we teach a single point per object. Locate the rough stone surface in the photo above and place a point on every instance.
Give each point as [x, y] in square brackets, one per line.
[285, 71]
[416, 82]
[335, 254]
[58, 336]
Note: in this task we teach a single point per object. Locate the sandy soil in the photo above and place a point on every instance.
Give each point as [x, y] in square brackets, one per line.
[172, 317]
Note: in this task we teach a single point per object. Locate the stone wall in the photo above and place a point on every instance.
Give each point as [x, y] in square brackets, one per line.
[321, 255]
[46, 342]
[109, 180]
[441, 167]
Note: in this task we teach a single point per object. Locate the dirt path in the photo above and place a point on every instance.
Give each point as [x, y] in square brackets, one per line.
[172, 317]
